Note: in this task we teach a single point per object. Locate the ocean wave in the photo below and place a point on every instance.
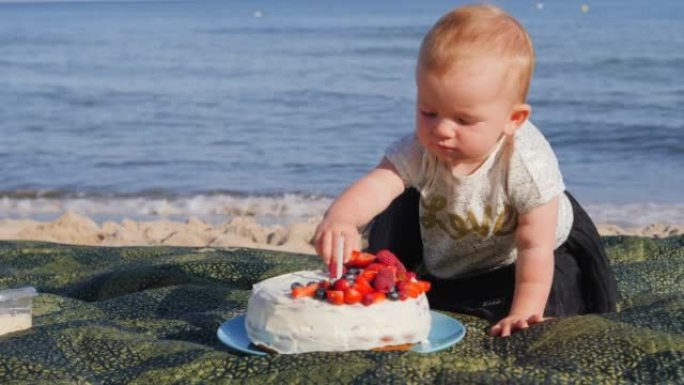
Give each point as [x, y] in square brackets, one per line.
[281, 209]
[211, 207]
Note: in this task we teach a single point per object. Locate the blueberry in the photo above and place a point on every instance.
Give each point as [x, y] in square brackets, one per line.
[355, 271]
[295, 285]
[320, 294]
[393, 295]
[311, 283]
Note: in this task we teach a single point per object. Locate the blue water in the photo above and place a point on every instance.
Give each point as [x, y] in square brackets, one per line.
[245, 98]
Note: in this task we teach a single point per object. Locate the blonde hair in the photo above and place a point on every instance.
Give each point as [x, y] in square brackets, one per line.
[476, 31]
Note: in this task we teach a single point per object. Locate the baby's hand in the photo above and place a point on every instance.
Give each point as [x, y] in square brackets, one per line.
[328, 234]
[514, 322]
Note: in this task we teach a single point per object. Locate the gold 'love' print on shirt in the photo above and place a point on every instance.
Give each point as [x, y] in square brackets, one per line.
[434, 214]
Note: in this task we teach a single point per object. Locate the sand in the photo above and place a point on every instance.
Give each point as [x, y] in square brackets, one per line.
[73, 228]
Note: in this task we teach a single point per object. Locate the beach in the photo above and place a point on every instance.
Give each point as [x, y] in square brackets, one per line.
[182, 125]
[160, 159]
[76, 229]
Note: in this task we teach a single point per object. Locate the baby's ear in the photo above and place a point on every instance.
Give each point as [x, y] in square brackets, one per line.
[519, 114]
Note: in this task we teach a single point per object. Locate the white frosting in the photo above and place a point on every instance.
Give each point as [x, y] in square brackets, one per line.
[298, 325]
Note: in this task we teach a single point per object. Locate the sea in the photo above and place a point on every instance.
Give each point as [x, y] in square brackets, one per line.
[270, 108]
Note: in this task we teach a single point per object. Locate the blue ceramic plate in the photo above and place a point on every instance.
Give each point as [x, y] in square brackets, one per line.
[444, 332]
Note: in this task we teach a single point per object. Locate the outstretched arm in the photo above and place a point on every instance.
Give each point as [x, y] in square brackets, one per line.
[535, 241]
[355, 207]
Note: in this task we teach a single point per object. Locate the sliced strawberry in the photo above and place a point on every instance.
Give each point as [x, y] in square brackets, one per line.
[335, 297]
[424, 286]
[341, 284]
[372, 298]
[363, 287]
[305, 291]
[361, 259]
[384, 280]
[368, 275]
[413, 289]
[352, 296]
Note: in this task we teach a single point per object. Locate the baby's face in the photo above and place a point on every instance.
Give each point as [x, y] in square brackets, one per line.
[462, 114]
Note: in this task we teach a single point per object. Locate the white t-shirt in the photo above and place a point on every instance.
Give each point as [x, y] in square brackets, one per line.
[468, 222]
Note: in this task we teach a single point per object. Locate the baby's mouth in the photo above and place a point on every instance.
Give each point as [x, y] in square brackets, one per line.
[445, 148]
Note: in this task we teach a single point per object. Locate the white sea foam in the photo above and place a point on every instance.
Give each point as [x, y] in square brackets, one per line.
[268, 210]
[283, 209]
[636, 214]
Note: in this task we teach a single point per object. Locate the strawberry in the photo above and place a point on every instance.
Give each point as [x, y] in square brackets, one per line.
[325, 284]
[388, 258]
[372, 298]
[361, 259]
[413, 289]
[424, 286]
[335, 297]
[368, 275]
[363, 287]
[352, 296]
[304, 291]
[341, 284]
[384, 281]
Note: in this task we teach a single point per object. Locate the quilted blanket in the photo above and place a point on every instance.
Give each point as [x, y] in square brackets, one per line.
[149, 315]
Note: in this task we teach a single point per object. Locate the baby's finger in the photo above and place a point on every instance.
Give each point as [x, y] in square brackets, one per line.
[506, 330]
[521, 324]
[326, 245]
[349, 243]
[536, 318]
[317, 242]
[495, 330]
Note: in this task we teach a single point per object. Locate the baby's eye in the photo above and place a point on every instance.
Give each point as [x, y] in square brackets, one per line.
[466, 121]
[428, 114]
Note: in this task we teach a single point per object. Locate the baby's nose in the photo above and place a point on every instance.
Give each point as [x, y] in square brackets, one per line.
[445, 128]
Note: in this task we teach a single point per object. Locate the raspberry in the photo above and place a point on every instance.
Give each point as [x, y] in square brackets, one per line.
[384, 281]
[388, 258]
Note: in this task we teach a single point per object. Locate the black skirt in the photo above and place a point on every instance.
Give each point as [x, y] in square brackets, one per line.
[582, 280]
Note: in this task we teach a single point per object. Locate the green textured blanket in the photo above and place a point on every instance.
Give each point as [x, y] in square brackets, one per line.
[149, 315]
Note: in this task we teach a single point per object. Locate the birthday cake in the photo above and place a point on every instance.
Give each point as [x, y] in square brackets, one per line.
[376, 304]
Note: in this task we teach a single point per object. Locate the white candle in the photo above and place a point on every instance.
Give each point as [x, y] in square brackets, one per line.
[340, 257]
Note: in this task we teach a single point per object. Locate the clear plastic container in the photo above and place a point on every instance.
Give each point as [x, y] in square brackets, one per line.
[15, 309]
